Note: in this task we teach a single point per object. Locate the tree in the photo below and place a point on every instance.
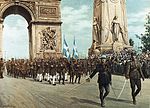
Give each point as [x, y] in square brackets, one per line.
[145, 38]
[131, 42]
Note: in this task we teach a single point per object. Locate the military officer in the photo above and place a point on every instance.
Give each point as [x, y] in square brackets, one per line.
[104, 79]
[135, 74]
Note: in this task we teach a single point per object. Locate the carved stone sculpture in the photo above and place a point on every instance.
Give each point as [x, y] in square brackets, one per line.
[48, 39]
[110, 24]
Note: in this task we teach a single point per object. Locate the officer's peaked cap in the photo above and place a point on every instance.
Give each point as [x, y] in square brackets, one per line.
[103, 57]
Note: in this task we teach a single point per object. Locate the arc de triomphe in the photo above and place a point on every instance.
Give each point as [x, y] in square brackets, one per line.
[44, 24]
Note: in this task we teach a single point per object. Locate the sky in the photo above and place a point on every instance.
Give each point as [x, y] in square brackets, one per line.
[77, 16]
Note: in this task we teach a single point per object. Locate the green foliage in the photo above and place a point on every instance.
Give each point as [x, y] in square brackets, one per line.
[145, 38]
[131, 42]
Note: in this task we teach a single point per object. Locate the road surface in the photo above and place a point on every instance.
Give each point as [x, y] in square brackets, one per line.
[26, 93]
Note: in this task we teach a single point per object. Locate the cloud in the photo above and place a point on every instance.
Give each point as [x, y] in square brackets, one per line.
[138, 17]
[15, 37]
[76, 19]
[78, 22]
[136, 29]
[137, 20]
[146, 0]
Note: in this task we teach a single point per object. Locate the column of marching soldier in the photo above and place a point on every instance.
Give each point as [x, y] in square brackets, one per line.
[54, 68]
[51, 70]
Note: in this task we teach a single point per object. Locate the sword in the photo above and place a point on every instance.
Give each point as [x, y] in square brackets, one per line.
[75, 87]
[122, 89]
[113, 91]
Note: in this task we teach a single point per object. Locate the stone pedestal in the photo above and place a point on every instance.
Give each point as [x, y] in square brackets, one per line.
[110, 25]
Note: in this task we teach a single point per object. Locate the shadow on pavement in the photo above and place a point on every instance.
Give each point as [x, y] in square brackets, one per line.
[76, 100]
[119, 100]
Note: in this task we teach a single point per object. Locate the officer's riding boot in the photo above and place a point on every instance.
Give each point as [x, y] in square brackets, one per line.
[79, 79]
[102, 100]
[134, 100]
[102, 103]
[75, 80]
[1, 75]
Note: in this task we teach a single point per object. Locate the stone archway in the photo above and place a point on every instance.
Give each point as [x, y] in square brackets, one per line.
[44, 24]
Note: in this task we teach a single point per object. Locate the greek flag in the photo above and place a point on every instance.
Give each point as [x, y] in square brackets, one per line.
[66, 50]
[75, 52]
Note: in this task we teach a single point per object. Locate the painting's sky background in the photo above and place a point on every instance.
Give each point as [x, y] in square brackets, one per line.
[77, 21]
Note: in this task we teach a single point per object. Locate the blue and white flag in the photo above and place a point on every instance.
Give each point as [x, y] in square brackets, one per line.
[75, 52]
[66, 50]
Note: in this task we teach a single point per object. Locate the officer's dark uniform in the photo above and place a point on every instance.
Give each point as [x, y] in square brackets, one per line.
[104, 79]
[135, 74]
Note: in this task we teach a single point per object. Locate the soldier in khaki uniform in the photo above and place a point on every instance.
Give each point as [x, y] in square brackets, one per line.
[39, 70]
[1, 68]
[61, 71]
[12, 67]
[135, 74]
[78, 71]
[23, 68]
[31, 68]
[71, 71]
[17, 68]
[54, 67]
[8, 66]
[46, 70]
[34, 69]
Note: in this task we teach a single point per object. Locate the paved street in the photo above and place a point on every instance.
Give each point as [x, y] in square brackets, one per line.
[26, 93]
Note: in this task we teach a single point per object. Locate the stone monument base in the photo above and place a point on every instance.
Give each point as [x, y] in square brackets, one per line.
[115, 47]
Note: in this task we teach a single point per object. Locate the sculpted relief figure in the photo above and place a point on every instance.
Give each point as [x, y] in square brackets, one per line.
[116, 29]
[94, 49]
[48, 39]
[118, 34]
[96, 29]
